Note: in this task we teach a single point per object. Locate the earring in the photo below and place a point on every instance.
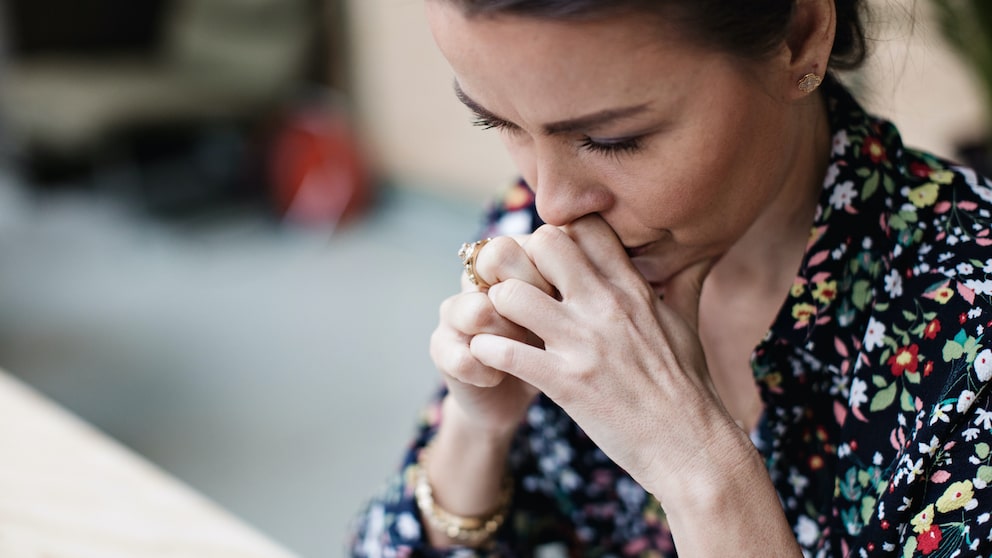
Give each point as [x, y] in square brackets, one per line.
[809, 82]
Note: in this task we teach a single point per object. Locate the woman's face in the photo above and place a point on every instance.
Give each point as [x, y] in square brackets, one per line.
[680, 149]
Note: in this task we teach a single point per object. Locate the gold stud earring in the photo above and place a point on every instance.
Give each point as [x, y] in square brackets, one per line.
[809, 82]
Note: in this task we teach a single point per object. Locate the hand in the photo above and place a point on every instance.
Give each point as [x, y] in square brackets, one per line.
[626, 366]
[487, 398]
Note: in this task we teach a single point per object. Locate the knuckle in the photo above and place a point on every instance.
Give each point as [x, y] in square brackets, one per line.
[494, 256]
[457, 363]
[505, 291]
[546, 235]
[478, 314]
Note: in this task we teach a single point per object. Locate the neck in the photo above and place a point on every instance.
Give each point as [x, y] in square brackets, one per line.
[765, 260]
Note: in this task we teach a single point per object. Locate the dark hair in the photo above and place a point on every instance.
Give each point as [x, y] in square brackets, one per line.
[749, 28]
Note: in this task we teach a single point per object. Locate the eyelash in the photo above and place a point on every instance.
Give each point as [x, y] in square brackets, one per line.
[615, 147]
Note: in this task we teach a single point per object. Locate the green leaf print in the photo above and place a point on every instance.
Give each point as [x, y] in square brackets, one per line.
[952, 351]
[982, 450]
[867, 509]
[884, 398]
[871, 184]
[985, 473]
[861, 294]
[906, 401]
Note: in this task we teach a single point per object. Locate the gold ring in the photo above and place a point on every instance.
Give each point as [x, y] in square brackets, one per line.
[468, 253]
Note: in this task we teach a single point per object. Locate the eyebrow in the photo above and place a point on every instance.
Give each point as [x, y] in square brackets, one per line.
[586, 122]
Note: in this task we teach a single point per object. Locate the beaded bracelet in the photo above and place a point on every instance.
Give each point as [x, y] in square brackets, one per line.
[472, 531]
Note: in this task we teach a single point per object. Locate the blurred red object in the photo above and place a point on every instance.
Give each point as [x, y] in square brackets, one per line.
[318, 174]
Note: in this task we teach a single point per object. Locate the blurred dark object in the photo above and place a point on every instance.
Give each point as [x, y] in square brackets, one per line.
[977, 155]
[318, 173]
[60, 26]
[152, 88]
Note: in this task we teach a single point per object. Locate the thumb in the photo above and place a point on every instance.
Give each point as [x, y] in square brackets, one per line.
[682, 293]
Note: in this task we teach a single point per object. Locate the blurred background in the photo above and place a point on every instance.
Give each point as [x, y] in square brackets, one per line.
[226, 225]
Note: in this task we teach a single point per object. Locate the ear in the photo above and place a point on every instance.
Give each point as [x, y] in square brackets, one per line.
[809, 40]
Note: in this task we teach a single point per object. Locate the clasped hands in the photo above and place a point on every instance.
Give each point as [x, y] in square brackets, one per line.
[569, 315]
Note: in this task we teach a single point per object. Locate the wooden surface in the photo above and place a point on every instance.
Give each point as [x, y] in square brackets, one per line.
[68, 491]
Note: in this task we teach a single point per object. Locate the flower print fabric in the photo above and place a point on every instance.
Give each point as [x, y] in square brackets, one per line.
[877, 430]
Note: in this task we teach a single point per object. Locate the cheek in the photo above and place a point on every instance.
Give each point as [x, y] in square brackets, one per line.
[697, 187]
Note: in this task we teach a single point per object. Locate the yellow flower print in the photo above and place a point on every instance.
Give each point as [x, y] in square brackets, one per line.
[798, 288]
[802, 312]
[943, 294]
[825, 291]
[924, 196]
[773, 380]
[942, 176]
[923, 520]
[956, 496]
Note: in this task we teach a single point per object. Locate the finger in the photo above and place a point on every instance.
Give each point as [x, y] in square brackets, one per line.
[450, 352]
[559, 259]
[473, 313]
[503, 258]
[599, 242]
[532, 309]
[529, 364]
[683, 291]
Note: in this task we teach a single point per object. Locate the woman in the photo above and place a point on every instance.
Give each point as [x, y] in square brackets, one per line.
[699, 183]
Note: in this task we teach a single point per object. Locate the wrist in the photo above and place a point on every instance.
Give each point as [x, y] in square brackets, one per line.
[729, 488]
[465, 429]
[714, 479]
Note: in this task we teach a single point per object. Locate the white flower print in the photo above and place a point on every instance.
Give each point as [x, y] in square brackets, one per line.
[807, 531]
[893, 283]
[971, 434]
[843, 195]
[983, 287]
[408, 526]
[832, 172]
[983, 365]
[931, 447]
[874, 334]
[987, 268]
[859, 395]
[798, 482]
[983, 418]
[974, 313]
[965, 268]
[965, 401]
[940, 413]
[914, 469]
[840, 142]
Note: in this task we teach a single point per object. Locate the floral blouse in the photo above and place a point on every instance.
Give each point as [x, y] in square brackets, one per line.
[877, 431]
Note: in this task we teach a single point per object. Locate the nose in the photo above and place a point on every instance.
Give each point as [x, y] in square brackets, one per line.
[565, 190]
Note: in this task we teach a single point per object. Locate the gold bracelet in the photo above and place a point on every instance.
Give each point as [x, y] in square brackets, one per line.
[472, 531]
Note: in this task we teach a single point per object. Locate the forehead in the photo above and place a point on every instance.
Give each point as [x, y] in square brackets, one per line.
[563, 66]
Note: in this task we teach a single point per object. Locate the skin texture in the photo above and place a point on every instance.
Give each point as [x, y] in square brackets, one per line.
[660, 168]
